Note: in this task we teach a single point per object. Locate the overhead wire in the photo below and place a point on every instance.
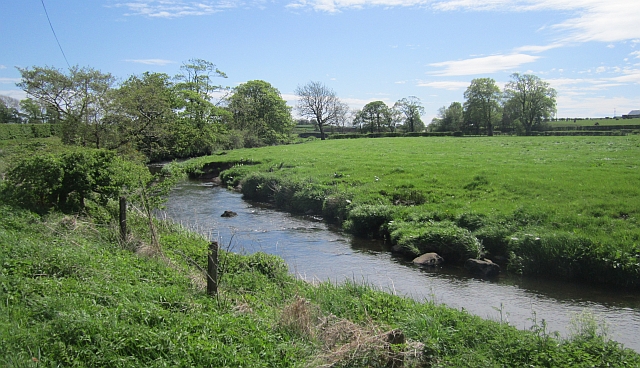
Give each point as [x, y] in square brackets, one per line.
[54, 34]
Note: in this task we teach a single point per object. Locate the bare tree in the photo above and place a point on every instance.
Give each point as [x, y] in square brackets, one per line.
[320, 102]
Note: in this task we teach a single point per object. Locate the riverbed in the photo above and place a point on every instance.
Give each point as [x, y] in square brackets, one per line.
[316, 252]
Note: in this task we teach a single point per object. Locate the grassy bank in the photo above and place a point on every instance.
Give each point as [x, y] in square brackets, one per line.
[555, 206]
[73, 294]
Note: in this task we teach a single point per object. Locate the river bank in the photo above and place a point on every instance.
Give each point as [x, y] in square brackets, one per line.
[315, 251]
[74, 295]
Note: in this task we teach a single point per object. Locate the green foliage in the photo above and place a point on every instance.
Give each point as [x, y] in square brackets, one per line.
[258, 109]
[25, 131]
[64, 180]
[368, 220]
[453, 243]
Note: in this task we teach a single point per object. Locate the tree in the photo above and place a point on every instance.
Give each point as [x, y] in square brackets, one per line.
[482, 105]
[200, 121]
[375, 115]
[9, 110]
[258, 108]
[320, 102]
[144, 110]
[450, 119]
[411, 108]
[79, 99]
[531, 99]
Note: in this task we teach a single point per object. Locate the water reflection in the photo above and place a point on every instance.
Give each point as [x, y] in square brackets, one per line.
[313, 251]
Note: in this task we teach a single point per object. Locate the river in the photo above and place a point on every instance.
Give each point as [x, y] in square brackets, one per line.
[314, 251]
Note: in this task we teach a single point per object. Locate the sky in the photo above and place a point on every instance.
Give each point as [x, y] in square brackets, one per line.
[365, 50]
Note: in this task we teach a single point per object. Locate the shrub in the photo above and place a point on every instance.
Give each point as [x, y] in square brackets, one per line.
[367, 220]
[65, 180]
[335, 208]
[445, 238]
[259, 186]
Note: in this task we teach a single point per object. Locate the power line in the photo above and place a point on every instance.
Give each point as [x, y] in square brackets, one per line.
[54, 34]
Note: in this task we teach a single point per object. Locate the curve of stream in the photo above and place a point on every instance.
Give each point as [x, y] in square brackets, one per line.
[314, 251]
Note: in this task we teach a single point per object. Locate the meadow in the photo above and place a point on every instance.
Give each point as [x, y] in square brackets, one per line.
[73, 292]
[564, 207]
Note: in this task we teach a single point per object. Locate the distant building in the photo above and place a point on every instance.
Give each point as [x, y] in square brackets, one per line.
[632, 114]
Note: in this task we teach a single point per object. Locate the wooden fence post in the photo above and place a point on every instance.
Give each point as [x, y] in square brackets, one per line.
[123, 218]
[212, 269]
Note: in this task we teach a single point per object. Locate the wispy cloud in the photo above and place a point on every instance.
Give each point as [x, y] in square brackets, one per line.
[483, 65]
[175, 8]
[160, 62]
[14, 93]
[9, 80]
[3, 67]
[587, 20]
[448, 85]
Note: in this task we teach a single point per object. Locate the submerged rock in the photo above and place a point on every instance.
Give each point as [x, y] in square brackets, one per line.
[482, 267]
[229, 214]
[428, 259]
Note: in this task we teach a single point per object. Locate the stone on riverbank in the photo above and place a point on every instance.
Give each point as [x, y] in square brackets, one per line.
[428, 259]
[484, 267]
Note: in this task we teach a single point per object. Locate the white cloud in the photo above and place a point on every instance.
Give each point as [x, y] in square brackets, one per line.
[160, 62]
[483, 65]
[599, 106]
[3, 67]
[9, 80]
[538, 49]
[588, 20]
[175, 8]
[636, 54]
[448, 85]
[14, 93]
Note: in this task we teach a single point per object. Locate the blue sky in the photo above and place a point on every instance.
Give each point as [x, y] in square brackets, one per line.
[366, 50]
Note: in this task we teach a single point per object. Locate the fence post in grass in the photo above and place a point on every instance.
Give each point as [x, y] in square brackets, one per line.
[212, 269]
[123, 218]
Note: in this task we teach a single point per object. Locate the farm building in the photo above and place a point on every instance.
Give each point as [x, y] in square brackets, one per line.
[632, 114]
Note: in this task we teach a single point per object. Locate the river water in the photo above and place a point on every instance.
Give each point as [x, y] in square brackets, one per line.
[314, 251]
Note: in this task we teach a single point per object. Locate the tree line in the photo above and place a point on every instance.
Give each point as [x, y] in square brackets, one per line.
[158, 115]
[190, 114]
[525, 104]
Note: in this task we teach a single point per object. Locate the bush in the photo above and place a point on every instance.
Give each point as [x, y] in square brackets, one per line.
[335, 208]
[63, 181]
[445, 238]
[367, 220]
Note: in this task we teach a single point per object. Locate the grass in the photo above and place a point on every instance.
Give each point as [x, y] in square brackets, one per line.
[73, 294]
[592, 122]
[561, 206]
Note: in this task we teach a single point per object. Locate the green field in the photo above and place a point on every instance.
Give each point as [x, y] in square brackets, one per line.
[592, 122]
[561, 206]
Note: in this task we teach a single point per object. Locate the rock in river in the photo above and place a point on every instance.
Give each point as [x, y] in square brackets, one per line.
[482, 267]
[429, 259]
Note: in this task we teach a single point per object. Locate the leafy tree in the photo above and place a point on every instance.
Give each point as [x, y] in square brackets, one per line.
[200, 121]
[9, 110]
[79, 99]
[144, 112]
[34, 112]
[449, 119]
[259, 109]
[411, 108]
[320, 102]
[482, 105]
[531, 99]
[376, 116]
